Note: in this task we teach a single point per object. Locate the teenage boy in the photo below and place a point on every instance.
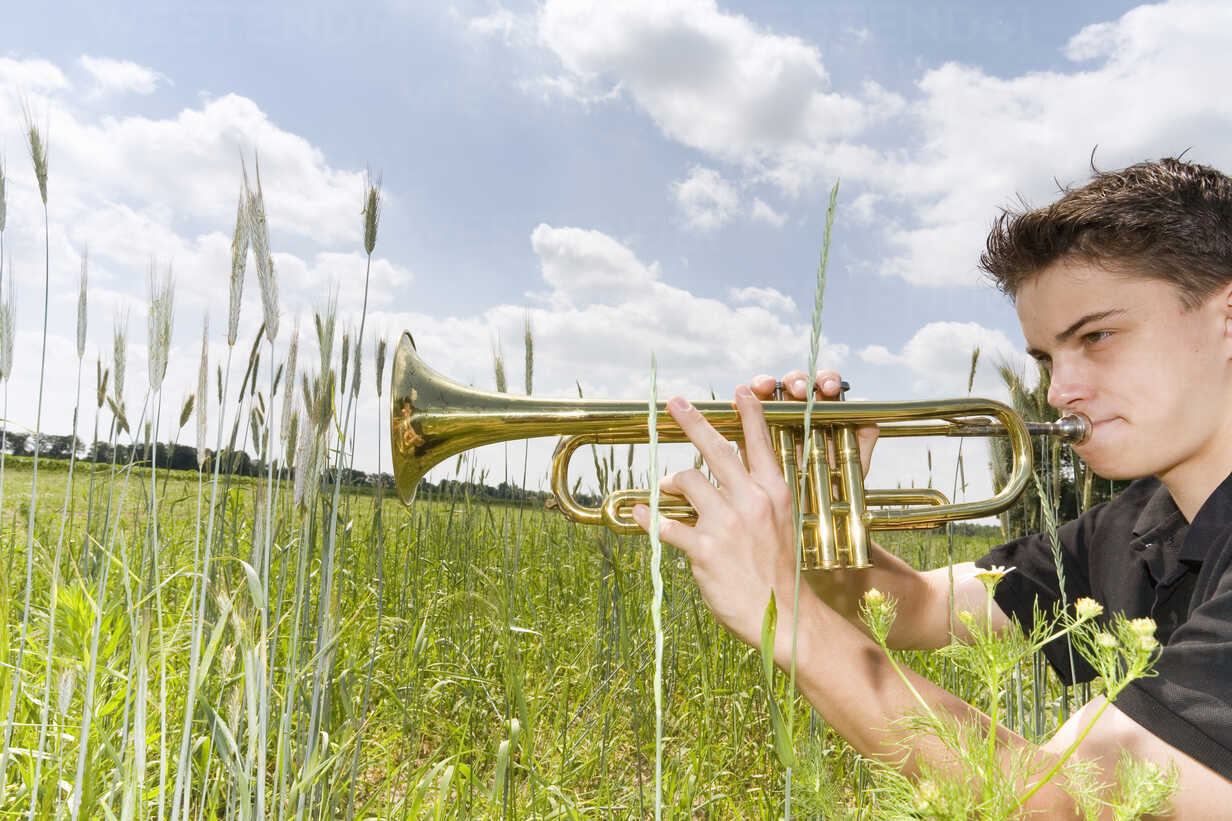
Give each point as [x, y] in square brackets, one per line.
[1123, 288]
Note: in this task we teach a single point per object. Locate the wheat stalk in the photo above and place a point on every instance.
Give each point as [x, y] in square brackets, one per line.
[288, 396]
[162, 308]
[81, 303]
[239, 261]
[8, 318]
[380, 367]
[258, 234]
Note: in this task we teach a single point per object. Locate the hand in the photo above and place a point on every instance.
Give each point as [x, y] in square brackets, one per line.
[743, 545]
[828, 384]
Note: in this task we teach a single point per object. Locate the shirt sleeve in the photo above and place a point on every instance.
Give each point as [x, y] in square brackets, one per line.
[1186, 702]
[1034, 583]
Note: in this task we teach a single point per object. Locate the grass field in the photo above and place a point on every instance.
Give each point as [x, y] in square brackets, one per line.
[480, 661]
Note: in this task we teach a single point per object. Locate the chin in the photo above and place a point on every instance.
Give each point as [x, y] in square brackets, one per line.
[1114, 465]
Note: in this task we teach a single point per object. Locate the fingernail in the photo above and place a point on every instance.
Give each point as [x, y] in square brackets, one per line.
[829, 385]
[798, 386]
[678, 403]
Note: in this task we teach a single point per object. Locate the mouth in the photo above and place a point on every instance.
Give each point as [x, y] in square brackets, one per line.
[1098, 427]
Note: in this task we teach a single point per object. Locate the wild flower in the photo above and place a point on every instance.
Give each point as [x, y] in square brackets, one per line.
[1106, 639]
[877, 611]
[1144, 628]
[992, 576]
[1088, 608]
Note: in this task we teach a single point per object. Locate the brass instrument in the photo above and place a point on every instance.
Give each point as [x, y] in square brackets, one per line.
[433, 418]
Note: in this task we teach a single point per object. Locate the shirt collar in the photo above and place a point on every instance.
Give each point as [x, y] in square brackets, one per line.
[1158, 513]
[1212, 520]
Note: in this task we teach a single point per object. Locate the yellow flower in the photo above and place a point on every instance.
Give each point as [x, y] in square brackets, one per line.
[1143, 627]
[1105, 640]
[1147, 643]
[966, 618]
[1089, 608]
[993, 574]
[873, 597]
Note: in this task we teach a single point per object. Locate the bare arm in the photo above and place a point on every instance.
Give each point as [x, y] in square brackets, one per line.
[848, 679]
[928, 602]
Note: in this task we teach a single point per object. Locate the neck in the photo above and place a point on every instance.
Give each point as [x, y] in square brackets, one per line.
[1192, 482]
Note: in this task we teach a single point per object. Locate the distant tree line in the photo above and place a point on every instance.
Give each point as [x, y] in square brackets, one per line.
[241, 463]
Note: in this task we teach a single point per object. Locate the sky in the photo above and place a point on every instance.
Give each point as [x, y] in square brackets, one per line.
[636, 178]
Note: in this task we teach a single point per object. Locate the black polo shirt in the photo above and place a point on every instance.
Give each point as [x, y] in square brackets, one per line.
[1136, 555]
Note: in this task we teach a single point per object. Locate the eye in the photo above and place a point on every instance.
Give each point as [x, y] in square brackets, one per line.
[1095, 337]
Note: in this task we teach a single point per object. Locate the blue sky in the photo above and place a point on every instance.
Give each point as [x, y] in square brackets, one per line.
[640, 177]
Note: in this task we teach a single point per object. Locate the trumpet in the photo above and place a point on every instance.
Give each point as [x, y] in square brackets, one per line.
[433, 418]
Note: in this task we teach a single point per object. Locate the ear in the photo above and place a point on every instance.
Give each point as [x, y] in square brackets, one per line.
[1223, 298]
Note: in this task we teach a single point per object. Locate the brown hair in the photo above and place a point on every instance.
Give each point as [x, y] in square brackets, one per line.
[1169, 220]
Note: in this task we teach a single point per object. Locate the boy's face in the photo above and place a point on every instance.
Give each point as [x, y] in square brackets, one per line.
[1154, 378]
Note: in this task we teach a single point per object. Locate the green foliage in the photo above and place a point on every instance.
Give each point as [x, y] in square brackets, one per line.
[985, 778]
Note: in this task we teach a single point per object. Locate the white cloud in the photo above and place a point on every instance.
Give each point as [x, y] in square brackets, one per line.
[768, 298]
[711, 80]
[938, 356]
[764, 213]
[705, 199]
[1146, 85]
[500, 21]
[880, 355]
[31, 76]
[605, 312]
[120, 75]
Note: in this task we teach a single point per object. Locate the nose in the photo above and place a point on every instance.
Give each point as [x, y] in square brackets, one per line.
[1067, 385]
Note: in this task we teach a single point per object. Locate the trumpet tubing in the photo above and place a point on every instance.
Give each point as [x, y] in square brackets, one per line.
[434, 418]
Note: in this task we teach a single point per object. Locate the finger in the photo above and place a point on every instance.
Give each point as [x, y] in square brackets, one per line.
[866, 436]
[695, 487]
[829, 384]
[762, 386]
[677, 534]
[716, 450]
[758, 447]
[795, 383]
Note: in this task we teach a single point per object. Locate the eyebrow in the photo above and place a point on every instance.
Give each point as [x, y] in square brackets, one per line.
[1075, 327]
